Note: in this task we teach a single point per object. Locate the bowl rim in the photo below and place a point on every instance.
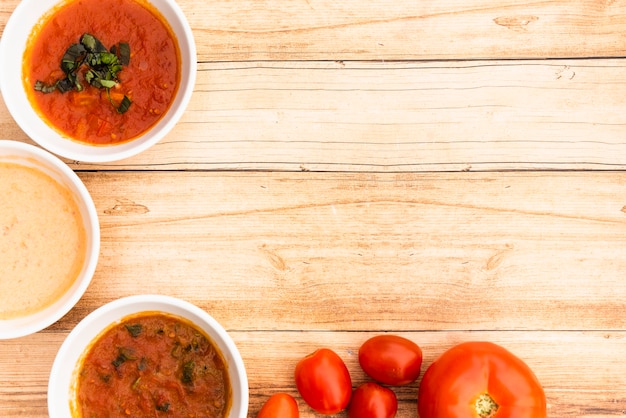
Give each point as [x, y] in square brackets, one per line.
[31, 155]
[69, 355]
[19, 27]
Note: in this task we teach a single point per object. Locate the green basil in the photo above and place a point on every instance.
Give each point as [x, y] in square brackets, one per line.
[102, 65]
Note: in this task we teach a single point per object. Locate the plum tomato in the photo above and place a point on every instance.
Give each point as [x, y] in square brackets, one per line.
[324, 382]
[279, 405]
[391, 359]
[371, 400]
[483, 380]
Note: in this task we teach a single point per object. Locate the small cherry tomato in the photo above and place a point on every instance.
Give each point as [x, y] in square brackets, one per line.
[279, 405]
[323, 381]
[370, 400]
[391, 359]
[480, 379]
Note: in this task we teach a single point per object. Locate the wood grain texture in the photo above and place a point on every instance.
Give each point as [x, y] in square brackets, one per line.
[269, 30]
[451, 251]
[394, 117]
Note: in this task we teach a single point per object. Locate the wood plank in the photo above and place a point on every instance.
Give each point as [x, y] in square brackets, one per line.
[394, 117]
[467, 251]
[583, 373]
[251, 30]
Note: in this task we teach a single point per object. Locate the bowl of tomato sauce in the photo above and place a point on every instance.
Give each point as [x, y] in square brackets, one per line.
[49, 239]
[148, 355]
[97, 80]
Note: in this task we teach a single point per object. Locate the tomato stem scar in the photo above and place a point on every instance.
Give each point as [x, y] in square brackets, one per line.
[485, 406]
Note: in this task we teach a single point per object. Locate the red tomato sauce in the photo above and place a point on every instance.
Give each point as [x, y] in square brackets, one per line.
[152, 365]
[150, 80]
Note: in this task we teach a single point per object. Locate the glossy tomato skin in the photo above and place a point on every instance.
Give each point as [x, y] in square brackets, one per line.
[391, 359]
[279, 405]
[324, 382]
[371, 400]
[453, 383]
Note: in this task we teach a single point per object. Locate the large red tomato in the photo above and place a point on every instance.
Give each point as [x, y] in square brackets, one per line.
[391, 359]
[480, 380]
[324, 382]
[370, 400]
[279, 405]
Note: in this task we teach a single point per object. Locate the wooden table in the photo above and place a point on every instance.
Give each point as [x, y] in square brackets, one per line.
[446, 171]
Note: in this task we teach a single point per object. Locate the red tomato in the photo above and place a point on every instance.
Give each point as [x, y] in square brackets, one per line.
[370, 400]
[391, 359]
[323, 381]
[480, 379]
[279, 405]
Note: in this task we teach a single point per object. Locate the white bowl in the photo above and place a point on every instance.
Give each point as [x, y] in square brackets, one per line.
[31, 156]
[64, 369]
[12, 45]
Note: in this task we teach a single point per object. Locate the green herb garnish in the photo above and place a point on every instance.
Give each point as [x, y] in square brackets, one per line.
[188, 369]
[124, 354]
[119, 360]
[134, 329]
[102, 68]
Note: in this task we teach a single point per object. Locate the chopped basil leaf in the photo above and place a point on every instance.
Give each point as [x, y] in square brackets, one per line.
[134, 329]
[103, 67]
[124, 354]
[123, 107]
[119, 360]
[124, 53]
[176, 351]
[92, 44]
[73, 58]
[188, 368]
[107, 83]
[45, 88]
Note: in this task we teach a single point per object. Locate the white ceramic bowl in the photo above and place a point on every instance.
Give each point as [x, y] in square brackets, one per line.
[64, 368]
[12, 45]
[29, 155]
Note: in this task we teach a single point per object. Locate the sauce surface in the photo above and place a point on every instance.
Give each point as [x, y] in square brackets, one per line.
[150, 365]
[42, 240]
[150, 79]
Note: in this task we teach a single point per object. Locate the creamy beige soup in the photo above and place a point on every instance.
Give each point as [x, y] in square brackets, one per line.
[42, 240]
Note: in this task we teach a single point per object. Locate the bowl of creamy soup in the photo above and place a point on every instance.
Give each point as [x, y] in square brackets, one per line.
[148, 356]
[49, 239]
[97, 80]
